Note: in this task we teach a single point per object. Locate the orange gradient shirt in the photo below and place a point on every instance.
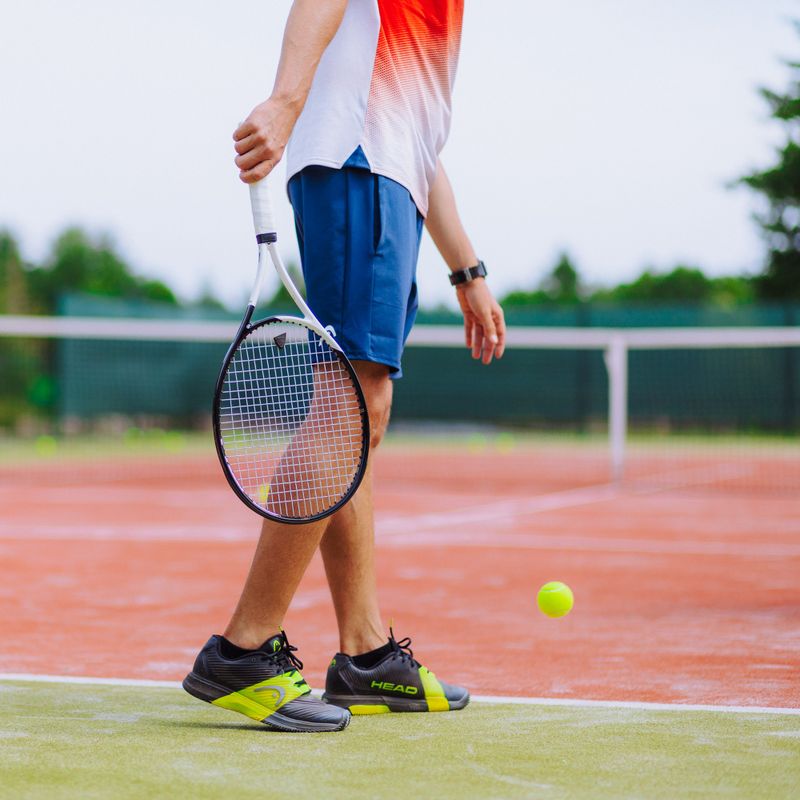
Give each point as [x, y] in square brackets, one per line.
[385, 84]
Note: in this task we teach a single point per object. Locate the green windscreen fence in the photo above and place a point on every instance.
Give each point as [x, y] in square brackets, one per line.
[713, 390]
[742, 389]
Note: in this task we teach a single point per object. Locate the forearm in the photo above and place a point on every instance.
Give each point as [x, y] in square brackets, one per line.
[262, 137]
[444, 224]
[309, 29]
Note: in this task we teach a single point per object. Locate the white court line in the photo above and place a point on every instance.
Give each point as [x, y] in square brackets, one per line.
[586, 544]
[512, 510]
[491, 699]
[420, 530]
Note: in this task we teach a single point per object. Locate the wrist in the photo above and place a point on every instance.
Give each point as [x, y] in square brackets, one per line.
[463, 277]
[290, 103]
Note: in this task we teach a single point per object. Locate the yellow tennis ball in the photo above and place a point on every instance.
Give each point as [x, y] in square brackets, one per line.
[555, 599]
[263, 493]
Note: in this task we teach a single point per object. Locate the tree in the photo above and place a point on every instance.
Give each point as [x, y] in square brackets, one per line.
[78, 263]
[683, 284]
[561, 286]
[780, 186]
[13, 294]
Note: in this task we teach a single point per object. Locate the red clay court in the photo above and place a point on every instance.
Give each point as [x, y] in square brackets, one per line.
[686, 580]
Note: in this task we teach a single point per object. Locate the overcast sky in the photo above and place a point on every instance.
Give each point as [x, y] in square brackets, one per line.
[606, 127]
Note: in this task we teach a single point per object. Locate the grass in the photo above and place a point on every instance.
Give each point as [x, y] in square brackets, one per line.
[160, 443]
[82, 741]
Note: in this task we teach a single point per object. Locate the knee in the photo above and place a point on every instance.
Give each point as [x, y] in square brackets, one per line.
[378, 421]
[377, 388]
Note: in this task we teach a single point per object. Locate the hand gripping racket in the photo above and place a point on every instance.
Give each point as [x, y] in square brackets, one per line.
[290, 421]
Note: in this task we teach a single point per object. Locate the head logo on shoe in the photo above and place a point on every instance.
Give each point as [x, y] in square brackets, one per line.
[277, 693]
[276, 645]
[385, 686]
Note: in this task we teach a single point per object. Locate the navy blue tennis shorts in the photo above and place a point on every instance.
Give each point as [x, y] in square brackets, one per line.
[359, 237]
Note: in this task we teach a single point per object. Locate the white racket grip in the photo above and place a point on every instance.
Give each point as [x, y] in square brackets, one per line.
[263, 215]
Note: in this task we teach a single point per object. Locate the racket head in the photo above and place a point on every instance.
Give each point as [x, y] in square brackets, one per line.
[290, 421]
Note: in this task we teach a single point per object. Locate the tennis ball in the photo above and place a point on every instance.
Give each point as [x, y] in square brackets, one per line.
[555, 599]
[263, 493]
[45, 446]
[505, 442]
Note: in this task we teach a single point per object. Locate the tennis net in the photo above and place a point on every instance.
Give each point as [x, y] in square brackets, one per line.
[693, 406]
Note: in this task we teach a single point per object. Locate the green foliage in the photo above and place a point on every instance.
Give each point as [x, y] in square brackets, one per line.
[561, 286]
[780, 187]
[13, 295]
[681, 285]
[207, 301]
[79, 263]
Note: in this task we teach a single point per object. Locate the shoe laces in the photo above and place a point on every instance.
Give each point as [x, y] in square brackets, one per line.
[402, 649]
[285, 658]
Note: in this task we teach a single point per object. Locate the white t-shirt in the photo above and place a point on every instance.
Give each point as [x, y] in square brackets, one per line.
[384, 83]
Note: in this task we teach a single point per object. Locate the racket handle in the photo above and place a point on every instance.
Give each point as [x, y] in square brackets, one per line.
[263, 215]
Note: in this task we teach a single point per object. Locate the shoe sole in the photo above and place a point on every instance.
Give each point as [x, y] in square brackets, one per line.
[208, 691]
[374, 704]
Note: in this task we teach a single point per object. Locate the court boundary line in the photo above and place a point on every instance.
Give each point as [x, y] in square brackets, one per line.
[569, 702]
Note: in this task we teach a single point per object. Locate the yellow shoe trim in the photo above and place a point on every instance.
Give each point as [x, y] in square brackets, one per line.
[262, 699]
[376, 709]
[238, 702]
[434, 693]
[438, 704]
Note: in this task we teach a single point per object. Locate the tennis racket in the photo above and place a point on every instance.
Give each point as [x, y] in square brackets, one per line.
[290, 421]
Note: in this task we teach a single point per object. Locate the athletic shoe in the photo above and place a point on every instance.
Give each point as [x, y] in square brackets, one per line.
[389, 679]
[264, 684]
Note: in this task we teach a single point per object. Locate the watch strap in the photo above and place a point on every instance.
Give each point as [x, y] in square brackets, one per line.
[469, 274]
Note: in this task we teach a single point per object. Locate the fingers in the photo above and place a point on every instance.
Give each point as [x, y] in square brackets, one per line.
[244, 130]
[258, 172]
[500, 326]
[245, 144]
[468, 331]
[255, 156]
[477, 341]
[490, 340]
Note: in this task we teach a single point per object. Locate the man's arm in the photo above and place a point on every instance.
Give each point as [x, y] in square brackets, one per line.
[484, 324]
[262, 137]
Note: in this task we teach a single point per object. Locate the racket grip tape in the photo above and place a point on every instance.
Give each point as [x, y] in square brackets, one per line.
[263, 214]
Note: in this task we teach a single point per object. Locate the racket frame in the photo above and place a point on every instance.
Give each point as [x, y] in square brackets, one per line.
[267, 238]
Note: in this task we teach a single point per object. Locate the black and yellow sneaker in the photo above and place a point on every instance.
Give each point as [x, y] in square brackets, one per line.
[389, 679]
[264, 684]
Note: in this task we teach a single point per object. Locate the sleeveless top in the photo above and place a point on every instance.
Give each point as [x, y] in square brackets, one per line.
[384, 84]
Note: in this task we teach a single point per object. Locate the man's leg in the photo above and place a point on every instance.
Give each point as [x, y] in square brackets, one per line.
[349, 543]
[284, 552]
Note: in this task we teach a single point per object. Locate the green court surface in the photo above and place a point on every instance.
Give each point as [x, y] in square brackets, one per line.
[61, 740]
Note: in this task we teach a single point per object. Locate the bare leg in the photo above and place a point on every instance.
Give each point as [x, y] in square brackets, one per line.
[348, 546]
[281, 558]
[284, 552]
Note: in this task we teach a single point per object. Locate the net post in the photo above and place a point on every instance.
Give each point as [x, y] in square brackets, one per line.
[616, 360]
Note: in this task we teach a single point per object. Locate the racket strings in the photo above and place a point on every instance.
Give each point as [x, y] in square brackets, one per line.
[291, 421]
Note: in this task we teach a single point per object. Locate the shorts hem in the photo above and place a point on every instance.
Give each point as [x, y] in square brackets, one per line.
[395, 368]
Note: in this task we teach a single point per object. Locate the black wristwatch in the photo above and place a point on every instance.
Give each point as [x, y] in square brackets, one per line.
[468, 274]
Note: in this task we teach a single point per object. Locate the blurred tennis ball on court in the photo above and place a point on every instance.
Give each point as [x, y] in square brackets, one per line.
[555, 599]
[45, 446]
[505, 442]
[174, 441]
[263, 493]
[477, 443]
